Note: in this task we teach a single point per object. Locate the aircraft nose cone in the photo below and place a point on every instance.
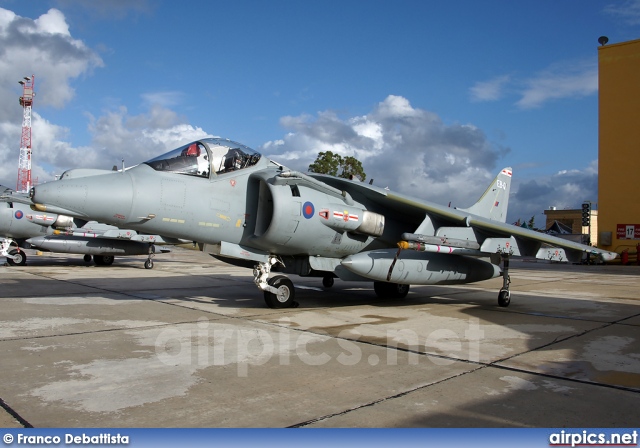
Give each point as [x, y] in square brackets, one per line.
[106, 198]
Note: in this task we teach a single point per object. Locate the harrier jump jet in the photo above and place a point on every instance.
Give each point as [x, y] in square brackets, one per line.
[250, 211]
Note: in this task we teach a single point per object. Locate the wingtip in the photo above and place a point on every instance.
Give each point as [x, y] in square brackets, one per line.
[606, 255]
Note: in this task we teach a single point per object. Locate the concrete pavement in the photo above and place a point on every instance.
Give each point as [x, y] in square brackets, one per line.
[191, 344]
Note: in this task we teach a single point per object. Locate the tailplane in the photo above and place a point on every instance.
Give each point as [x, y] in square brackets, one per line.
[494, 201]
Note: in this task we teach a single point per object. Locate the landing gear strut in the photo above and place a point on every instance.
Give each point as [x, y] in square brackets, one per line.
[278, 291]
[148, 264]
[504, 296]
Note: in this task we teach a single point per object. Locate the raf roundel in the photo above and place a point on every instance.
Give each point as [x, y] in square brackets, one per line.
[308, 210]
[19, 214]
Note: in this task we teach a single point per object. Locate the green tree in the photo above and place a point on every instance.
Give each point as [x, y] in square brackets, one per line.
[330, 163]
[326, 163]
[352, 167]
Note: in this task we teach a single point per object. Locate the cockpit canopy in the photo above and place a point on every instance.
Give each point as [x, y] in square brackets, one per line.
[206, 156]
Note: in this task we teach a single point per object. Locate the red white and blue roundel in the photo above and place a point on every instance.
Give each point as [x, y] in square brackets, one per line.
[18, 214]
[308, 210]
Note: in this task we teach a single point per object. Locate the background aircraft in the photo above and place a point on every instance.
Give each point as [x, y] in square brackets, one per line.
[250, 211]
[21, 227]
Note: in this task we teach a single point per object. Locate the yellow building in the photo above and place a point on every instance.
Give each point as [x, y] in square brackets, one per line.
[619, 146]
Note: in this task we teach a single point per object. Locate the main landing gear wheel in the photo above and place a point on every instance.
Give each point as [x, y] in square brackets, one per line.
[504, 297]
[285, 296]
[103, 260]
[327, 281]
[87, 258]
[19, 258]
[148, 264]
[386, 290]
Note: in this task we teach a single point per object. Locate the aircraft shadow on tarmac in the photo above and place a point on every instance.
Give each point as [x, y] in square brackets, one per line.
[557, 380]
[558, 394]
[584, 373]
[587, 376]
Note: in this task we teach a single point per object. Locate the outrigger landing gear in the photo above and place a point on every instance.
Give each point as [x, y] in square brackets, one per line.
[278, 291]
[148, 264]
[504, 296]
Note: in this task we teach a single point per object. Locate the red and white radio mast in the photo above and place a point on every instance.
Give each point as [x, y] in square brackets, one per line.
[24, 163]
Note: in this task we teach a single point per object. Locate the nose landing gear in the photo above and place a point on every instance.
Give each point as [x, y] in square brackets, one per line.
[278, 291]
[14, 256]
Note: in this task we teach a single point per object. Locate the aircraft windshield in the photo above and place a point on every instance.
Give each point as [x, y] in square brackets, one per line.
[209, 155]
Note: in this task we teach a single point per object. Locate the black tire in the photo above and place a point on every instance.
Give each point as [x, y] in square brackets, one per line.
[386, 290]
[87, 258]
[327, 281]
[148, 264]
[20, 258]
[103, 260]
[504, 298]
[286, 293]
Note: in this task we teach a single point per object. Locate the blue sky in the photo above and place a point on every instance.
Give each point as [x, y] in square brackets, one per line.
[434, 97]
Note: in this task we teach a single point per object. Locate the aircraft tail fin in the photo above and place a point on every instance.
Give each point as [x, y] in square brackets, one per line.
[494, 201]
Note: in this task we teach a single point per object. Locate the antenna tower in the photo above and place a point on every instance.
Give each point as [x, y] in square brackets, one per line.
[24, 163]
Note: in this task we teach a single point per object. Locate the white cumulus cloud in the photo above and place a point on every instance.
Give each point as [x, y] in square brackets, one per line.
[62, 58]
[405, 148]
[412, 151]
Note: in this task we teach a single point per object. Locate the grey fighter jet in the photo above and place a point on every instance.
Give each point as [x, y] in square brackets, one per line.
[248, 210]
[21, 227]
